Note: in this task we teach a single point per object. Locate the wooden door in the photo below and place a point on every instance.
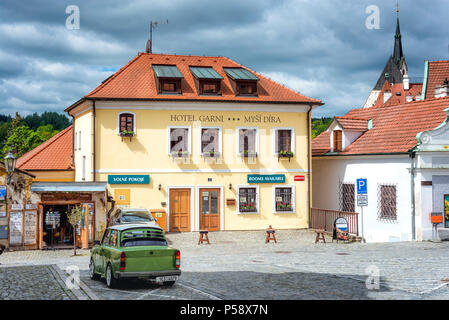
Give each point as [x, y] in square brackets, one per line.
[179, 210]
[210, 209]
[85, 227]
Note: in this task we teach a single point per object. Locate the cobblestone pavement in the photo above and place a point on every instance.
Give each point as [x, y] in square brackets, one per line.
[239, 265]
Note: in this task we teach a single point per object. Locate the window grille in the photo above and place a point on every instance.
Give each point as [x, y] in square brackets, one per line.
[247, 200]
[283, 199]
[247, 141]
[347, 197]
[387, 202]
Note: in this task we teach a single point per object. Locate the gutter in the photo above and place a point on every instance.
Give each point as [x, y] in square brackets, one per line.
[412, 180]
[93, 144]
[309, 160]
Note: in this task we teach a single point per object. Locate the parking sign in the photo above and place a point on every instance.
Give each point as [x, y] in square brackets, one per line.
[362, 186]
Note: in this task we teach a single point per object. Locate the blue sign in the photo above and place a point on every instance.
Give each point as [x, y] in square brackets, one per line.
[266, 178]
[129, 179]
[362, 186]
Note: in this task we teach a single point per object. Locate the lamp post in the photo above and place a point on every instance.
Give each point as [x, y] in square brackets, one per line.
[10, 164]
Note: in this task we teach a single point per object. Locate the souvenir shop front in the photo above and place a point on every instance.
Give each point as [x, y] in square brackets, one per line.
[56, 200]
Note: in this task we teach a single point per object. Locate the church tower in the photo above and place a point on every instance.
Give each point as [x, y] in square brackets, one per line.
[395, 70]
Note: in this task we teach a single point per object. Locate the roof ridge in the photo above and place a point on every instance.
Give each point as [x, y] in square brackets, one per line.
[272, 81]
[113, 76]
[180, 55]
[44, 145]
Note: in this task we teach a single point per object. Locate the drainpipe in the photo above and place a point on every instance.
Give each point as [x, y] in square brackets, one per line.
[309, 159]
[412, 180]
[93, 151]
[73, 141]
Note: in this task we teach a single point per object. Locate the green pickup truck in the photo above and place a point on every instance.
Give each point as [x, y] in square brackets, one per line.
[134, 251]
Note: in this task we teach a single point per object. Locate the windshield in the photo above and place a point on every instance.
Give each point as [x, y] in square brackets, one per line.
[136, 216]
[143, 237]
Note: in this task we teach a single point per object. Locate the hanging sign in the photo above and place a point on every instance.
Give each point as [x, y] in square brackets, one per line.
[129, 179]
[266, 178]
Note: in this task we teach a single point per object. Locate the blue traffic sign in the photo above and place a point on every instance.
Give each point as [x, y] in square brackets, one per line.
[362, 186]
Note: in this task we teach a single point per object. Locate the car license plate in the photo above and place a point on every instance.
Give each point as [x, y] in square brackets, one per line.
[167, 278]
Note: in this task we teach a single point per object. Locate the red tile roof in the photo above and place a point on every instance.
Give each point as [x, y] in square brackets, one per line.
[353, 124]
[415, 90]
[394, 127]
[136, 80]
[438, 71]
[53, 154]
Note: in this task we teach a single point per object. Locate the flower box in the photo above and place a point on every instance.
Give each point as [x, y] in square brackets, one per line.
[127, 134]
[180, 154]
[211, 154]
[285, 154]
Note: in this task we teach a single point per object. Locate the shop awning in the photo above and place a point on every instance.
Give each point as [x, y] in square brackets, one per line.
[68, 187]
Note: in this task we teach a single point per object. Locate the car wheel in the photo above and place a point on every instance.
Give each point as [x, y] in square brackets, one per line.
[93, 275]
[111, 282]
[168, 283]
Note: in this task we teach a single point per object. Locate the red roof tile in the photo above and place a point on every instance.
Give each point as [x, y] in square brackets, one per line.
[415, 90]
[53, 154]
[394, 127]
[438, 72]
[353, 124]
[136, 80]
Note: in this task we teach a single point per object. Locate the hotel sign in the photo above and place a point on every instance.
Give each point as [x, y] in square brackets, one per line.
[129, 179]
[266, 178]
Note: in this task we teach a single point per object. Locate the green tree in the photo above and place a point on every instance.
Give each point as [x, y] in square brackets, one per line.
[22, 140]
[46, 131]
[74, 217]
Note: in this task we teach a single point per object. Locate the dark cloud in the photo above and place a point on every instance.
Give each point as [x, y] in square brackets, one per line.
[320, 48]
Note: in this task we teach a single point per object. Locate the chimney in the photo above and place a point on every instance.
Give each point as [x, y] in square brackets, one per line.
[443, 90]
[406, 82]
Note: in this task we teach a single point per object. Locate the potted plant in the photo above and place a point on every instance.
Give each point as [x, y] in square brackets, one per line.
[282, 206]
[127, 133]
[248, 207]
[180, 154]
[211, 154]
[285, 154]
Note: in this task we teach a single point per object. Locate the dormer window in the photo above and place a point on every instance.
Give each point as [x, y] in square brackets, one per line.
[168, 79]
[207, 80]
[338, 141]
[244, 82]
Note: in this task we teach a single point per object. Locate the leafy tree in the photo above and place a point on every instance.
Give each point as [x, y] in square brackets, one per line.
[22, 140]
[74, 217]
[319, 125]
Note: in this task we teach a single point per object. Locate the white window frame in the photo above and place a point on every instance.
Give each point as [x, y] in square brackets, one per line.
[134, 121]
[240, 186]
[238, 140]
[274, 136]
[74, 141]
[220, 139]
[189, 143]
[292, 187]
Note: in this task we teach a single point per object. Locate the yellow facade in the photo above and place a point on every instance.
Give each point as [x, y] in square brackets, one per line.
[147, 153]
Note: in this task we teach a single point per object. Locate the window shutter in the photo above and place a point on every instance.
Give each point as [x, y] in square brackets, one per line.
[276, 141]
[242, 135]
[252, 140]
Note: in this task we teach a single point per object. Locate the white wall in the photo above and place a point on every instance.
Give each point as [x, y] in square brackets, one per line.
[329, 171]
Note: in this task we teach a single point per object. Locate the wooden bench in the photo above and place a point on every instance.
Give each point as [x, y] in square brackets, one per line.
[270, 235]
[320, 235]
[203, 237]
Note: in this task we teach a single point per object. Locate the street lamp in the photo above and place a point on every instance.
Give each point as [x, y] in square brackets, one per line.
[10, 164]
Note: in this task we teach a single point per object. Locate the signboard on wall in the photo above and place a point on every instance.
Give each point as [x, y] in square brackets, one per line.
[15, 228]
[2, 194]
[266, 178]
[129, 179]
[29, 231]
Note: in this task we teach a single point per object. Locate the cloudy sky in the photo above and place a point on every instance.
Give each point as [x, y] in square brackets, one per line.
[321, 48]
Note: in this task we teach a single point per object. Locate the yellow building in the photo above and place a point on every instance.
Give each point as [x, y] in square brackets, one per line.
[216, 145]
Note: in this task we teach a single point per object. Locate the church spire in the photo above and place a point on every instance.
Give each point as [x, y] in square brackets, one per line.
[397, 52]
